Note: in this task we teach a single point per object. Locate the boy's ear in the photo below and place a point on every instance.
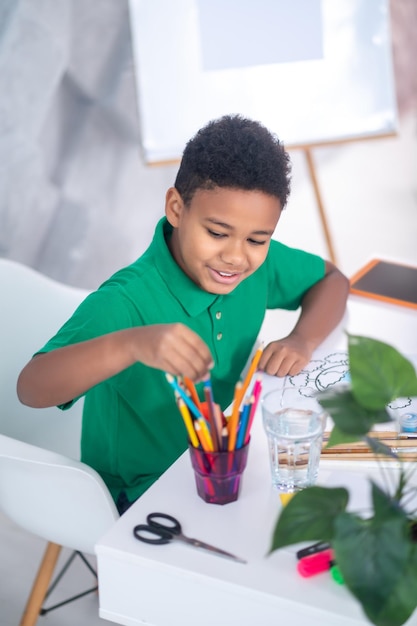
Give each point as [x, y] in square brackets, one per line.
[174, 206]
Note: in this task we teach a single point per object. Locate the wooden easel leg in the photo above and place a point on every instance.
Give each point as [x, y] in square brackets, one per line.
[40, 585]
[322, 212]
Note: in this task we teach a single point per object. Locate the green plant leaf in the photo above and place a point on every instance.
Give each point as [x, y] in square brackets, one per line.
[337, 436]
[350, 417]
[402, 483]
[379, 373]
[377, 557]
[309, 516]
[384, 505]
[383, 553]
[402, 601]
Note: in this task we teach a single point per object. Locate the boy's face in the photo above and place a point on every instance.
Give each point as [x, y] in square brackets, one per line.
[223, 236]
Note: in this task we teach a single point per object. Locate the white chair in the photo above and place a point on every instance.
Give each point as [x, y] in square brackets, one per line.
[44, 488]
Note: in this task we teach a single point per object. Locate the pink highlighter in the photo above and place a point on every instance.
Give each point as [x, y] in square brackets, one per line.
[316, 563]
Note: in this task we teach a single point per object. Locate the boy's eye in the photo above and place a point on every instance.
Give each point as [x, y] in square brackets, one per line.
[215, 234]
[255, 242]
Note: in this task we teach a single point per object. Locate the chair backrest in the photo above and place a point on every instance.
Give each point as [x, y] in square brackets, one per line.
[54, 497]
[32, 308]
[43, 486]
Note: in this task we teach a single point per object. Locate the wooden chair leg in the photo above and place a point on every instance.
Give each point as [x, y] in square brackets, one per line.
[40, 585]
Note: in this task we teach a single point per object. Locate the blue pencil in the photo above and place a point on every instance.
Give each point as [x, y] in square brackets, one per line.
[243, 422]
[183, 395]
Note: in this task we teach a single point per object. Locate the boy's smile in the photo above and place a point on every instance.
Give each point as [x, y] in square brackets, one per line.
[223, 236]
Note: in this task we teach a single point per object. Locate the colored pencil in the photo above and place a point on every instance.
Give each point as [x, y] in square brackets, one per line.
[369, 456]
[252, 369]
[257, 389]
[193, 392]
[203, 434]
[212, 424]
[355, 447]
[220, 418]
[188, 401]
[188, 423]
[234, 418]
[214, 411]
[243, 422]
[381, 434]
[225, 438]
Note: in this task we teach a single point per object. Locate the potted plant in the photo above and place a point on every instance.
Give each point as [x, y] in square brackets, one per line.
[383, 574]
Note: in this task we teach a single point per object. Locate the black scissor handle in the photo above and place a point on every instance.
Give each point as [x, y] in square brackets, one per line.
[174, 527]
[162, 535]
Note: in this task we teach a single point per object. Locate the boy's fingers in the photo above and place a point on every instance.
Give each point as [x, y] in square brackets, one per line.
[187, 369]
[281, 364]
[191, 359]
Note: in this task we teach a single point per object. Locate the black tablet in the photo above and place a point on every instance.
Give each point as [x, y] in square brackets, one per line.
[384, 280]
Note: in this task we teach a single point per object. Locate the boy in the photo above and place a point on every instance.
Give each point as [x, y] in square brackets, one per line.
[193, 303]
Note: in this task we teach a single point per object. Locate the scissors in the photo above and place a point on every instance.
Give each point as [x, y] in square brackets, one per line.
[170, 529]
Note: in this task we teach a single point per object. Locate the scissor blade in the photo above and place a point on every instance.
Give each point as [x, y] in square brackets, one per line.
[196, 543]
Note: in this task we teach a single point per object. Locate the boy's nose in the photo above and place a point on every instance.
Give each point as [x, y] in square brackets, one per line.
[233, 253]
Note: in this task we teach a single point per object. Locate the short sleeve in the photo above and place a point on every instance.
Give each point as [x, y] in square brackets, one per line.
[102, 312]
[291, 273]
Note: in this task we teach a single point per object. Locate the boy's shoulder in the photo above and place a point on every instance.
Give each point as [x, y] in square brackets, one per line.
[144, 266]
[293, 264]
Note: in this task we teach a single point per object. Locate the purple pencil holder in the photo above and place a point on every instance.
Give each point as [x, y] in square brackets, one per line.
[218, 474]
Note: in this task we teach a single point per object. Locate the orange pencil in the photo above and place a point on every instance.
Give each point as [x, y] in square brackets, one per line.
[252, 369]
[234, 418]
[203, 434]
[193, 391]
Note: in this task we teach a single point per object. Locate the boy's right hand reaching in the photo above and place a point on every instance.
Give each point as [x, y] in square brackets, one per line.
[56, 377]
[173, 348]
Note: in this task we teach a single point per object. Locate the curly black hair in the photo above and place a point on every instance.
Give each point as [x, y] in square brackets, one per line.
[238, 153]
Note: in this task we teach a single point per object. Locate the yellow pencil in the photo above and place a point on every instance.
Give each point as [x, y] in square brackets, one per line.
[203, 434]
[188, 423]
[252, 369]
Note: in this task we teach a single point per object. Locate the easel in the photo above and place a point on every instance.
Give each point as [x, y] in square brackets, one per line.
[322, 213]
[308, 153]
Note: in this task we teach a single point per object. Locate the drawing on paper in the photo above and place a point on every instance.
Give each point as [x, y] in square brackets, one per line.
[333, 369]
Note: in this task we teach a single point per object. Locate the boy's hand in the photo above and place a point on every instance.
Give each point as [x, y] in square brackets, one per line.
[285, 357]
[322, 308]
[173, 348]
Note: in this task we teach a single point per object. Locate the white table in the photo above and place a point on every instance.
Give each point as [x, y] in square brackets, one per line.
[175, 585]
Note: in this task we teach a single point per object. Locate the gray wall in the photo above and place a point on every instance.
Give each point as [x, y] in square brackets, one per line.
[76, 201]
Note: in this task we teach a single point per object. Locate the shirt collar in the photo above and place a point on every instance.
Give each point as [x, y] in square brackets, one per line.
[193, 299]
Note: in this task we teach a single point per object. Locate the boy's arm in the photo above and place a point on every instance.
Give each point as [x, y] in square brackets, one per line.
[56, 377]
[322, 309]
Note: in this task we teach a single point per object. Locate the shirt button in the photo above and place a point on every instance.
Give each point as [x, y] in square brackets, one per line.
[218, 315]
[219, 336]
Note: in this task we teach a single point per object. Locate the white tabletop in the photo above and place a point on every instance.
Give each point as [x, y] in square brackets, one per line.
[175, 585]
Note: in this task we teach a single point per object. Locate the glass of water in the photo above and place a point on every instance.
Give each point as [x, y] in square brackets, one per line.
[294, 425]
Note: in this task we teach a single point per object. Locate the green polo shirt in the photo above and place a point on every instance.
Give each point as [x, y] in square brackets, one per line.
[132, 430]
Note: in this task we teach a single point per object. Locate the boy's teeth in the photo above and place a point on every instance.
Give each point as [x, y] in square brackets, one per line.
[225, 274]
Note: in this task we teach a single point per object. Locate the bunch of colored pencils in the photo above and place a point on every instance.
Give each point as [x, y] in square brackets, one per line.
[402, 446]
[206, 426]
